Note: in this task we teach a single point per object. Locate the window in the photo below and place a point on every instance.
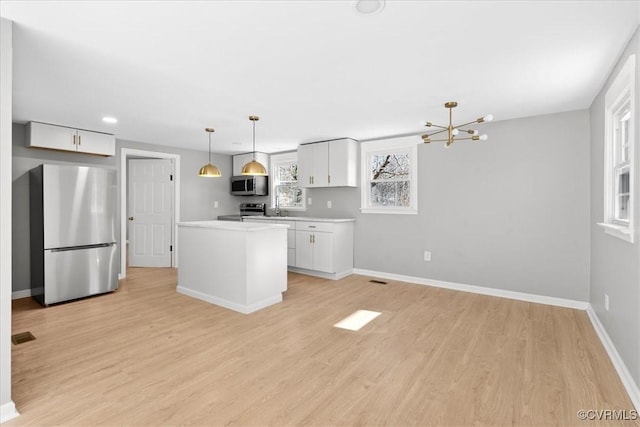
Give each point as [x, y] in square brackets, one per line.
[621, 164]
[619, 148]
[389, 177]
[285, 192]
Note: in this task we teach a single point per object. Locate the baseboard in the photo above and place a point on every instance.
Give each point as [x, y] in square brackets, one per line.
[625, 376]
[332, 276]
[8, 411]
[520, 296]
[240, 308]
[25, 293]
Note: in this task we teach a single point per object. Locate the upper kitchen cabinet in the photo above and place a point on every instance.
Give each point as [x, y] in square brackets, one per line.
[56, 137]
[239, 160]
[328, 164]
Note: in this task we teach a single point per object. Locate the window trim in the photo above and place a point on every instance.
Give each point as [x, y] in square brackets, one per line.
[387, 146]
[621, 91]
[275, 159]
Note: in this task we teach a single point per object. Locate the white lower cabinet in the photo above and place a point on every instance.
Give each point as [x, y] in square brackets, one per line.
[291, 242]
[322, 248]
[326, 247]
[314, 250]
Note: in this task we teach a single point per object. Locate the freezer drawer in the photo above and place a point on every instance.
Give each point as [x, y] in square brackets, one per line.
[77, 273]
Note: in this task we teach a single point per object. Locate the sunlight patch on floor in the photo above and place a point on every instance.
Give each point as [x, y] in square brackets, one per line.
[357, 320]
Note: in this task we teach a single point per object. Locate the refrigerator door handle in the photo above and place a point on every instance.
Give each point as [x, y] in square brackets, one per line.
[74, 248]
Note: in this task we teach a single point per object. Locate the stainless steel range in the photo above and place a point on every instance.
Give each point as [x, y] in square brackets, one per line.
[246, 209]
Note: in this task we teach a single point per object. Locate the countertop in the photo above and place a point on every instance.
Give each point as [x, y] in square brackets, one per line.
[231, 225]
[298, 218]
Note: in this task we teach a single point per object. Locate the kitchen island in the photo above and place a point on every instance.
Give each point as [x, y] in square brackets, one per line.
[236, 265]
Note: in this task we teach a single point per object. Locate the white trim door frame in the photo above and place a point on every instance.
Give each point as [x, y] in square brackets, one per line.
[126, 153]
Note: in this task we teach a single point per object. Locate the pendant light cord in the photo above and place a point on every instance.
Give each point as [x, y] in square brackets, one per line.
[254, 140]
[209, 147]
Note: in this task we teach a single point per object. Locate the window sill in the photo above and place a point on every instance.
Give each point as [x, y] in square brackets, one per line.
[621, 232]
[389, 211]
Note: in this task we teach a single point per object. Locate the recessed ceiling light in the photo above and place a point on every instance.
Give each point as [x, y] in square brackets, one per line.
[109, 120]
[368, 7]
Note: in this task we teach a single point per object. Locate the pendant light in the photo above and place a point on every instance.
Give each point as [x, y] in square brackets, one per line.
[209, 170]
[254, 167]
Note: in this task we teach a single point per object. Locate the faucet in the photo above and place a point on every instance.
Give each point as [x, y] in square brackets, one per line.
[277, 206]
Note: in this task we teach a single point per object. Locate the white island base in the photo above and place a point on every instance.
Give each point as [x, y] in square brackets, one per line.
[239, 266]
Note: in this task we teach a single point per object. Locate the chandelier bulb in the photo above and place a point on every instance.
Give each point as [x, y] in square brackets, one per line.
[455, 132]
[483, 137]
[487, 118]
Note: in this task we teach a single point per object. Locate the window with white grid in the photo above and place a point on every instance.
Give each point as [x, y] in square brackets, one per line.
[620, 112]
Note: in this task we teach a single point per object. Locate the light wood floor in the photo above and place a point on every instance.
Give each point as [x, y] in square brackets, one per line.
[146, 355]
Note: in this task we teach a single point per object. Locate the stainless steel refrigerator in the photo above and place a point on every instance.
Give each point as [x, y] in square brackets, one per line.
[74, 252]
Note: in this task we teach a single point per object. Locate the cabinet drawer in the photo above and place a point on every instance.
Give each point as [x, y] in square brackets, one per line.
[315, 226]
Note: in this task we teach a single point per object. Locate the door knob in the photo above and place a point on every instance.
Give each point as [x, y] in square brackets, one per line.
[130, 218]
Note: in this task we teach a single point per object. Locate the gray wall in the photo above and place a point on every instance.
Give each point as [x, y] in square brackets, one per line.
[510, 213]
[615, 264]
[196, 202]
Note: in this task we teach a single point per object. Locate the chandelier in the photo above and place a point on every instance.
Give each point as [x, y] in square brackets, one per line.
[454, 131]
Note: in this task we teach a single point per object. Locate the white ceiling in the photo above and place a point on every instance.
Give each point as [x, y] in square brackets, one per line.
[311, 70]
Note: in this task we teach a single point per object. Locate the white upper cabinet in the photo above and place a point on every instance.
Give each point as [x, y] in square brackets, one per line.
[328, 164]
[313, 165]
[55, 137]
[239, 160]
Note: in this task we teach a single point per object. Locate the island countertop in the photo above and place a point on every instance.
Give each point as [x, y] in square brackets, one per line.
[230, 225]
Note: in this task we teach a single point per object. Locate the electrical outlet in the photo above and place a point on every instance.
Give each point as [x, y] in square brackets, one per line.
[427, 256]
[329, 204]
[216, 204]
[606, 302]
[309, 201]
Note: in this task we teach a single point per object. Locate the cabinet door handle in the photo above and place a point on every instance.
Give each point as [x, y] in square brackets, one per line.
[310, 239]
[130, 218]
[74, 139]
[312, 226]
[329, 179]
[79, 139]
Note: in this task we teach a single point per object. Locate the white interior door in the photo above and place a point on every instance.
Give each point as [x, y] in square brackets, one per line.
[150, 212]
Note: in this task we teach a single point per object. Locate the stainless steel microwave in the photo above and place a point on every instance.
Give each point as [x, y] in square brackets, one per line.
[247, 185]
